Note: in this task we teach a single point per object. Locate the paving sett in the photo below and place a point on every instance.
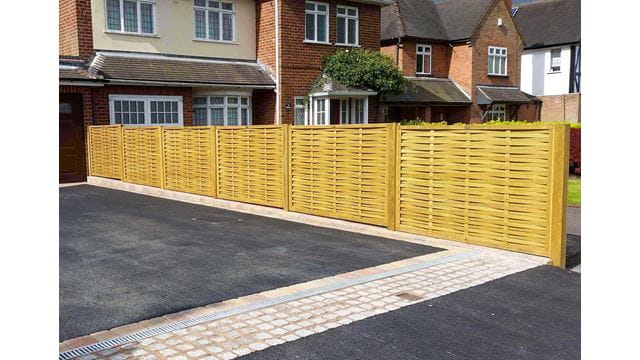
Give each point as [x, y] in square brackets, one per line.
[127, 257]
[533, 314]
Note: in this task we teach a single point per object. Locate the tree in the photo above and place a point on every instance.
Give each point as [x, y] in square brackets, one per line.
[365, 69]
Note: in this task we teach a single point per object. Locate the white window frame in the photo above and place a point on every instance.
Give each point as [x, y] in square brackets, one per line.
[220, 11]
[423, 53]
[497, 54]
[495, 110]
[225, 105]
[348, 17]
[315, 14]
[139, 20]
[147, 108]
[551, 70]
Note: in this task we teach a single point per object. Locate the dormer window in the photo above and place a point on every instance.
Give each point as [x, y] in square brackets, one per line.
[423, 59]
[497, 61]
[214, 20]
[131, 16]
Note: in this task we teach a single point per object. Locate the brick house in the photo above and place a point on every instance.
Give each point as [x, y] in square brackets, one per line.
[551, 57]
[462, 59]
[205, 62]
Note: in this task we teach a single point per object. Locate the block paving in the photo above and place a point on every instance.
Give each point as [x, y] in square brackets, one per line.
[238, 335]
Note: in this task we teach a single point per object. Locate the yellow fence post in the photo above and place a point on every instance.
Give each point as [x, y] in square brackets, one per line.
[216, 161]
[214, 141]
[391, 175]
[285, 167]
[559, 169]
[161, 151]
[397, 175]
[89, 149]
[122, 167]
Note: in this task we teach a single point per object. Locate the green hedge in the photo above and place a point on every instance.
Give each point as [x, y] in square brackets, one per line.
[496, 123]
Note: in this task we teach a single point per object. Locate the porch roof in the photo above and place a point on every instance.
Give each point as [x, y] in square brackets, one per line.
[488, 95]
[150, 69]
[430, 91]
[326, 86]
[76, 70]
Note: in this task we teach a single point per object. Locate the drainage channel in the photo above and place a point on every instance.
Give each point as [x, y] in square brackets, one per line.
[141, 335]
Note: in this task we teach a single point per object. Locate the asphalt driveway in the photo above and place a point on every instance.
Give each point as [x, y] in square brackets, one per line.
[533, 314]
[126, 257]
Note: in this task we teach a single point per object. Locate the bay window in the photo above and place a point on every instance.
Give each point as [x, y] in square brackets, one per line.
[145, 110]
[222, 110]
[347, 25]
[214, 20]
[131, 16]
[316, 22]
[496, 113]
[497, 61]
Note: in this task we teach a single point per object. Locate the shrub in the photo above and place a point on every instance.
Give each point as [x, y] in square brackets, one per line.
[365, 69]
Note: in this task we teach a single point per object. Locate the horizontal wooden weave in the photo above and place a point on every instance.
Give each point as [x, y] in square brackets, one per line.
[143, 155]
[340, 172]
[250, 164]
[482, 186]
[105, 151]
[189, 159]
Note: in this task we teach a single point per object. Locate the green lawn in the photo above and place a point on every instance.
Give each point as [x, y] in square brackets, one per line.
[574, 192]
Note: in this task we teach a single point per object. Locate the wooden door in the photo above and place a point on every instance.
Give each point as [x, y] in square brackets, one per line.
[72, 159]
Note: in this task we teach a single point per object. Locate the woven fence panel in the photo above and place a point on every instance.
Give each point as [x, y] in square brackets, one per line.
[105, 151]
[142, 155]
[250, 164]
[189, 159]
[340, 172]
[479, 185]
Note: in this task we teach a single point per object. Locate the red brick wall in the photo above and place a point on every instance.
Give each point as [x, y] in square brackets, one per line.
[528, 112]
[264, 107]
[101, 99]
[75, 34]
[440, 57]
[301, 62]
[265, 34]
[460, 68]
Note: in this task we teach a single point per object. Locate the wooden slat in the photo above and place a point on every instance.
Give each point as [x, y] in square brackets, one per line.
[342, 171]
[105, 151]
[142, 150]
[250, 165]
[189, 159]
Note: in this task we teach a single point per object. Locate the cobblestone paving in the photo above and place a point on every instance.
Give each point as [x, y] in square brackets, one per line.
[239, 335]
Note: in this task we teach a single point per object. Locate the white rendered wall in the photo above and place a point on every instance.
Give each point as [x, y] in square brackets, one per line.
[537, 78]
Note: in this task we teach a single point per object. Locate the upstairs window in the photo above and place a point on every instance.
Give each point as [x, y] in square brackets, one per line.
[423, 59]
[131, 16]
[316, 22]
[497, 61]
[214, 20]
[347, 25]
[556, 55]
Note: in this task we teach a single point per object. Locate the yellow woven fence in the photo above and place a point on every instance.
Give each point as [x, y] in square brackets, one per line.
[502, 187]
[105, 151]
[342, 171]
[251, 164]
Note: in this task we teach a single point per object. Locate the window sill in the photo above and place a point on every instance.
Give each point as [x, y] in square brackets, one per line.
[498, 75]
[131, 34]
[554, 72]
[317, 42]
[348, 45]
[217, 41]
[423, 75]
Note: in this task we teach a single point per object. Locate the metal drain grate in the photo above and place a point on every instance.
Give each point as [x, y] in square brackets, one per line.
[141, 335]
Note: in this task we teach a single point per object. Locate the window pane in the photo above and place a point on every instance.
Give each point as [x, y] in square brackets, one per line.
[174, 106]
[154, 118]
[490, 65]
[125, 106]
[160, 105]
[227, 6]
[214, 25]
[322, 28]
[199, 2]
[341, 10]
[113, 15]
[299, 116]
[117, 105]
[352, 12]
[146, 16]
[130, 16]
[125, 118]
[133, 118]
[200, 116]
[214, 4]
[199, 100]
[232, 116]
[217, 116]
[200, 24]
[244, 116]
[322, 7]
[227, 26]
[419, 61]
[310, 27]
[134, 106]
[118, 118]
[309, 6]
[217, 100]
[154, 106]
[427, 64]
[232, 100]
[161, 118]
[174, 117]
[244, 101]
[503, 65]
[341, 30]
[352, 31]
